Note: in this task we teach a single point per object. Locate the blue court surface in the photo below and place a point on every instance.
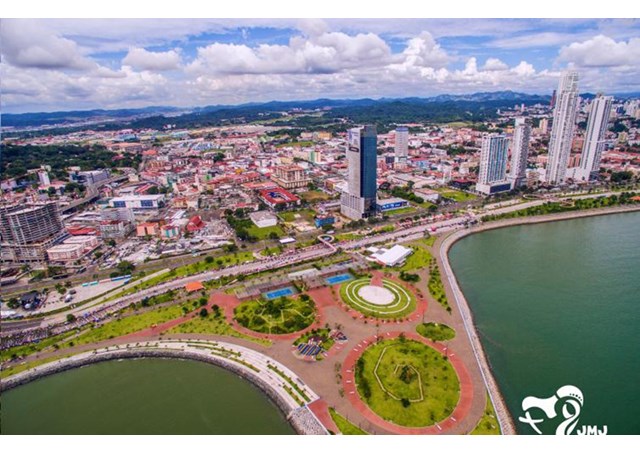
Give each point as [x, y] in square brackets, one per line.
[339, 278]
[288, 291]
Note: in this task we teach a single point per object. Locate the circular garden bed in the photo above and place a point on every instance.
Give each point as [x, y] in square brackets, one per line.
[391, 300]
[407, 382]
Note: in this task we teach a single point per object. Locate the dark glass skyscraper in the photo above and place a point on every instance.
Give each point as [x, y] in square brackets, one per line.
[360, 198]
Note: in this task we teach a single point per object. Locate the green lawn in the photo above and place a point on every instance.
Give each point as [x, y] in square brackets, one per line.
[459, 124]
[347, 236]
[419, 259]
[28, 349]
[426, 204]
[10, 371]
[435, 331]
[488, 424]
[263, 233]
[436, 287]
[298, 215]
[214, 325]
[456, 195]
[130, 324]
[400, 211]
[403, 304]
[303, 143]
[278, 316]
[407, 382]
[271, 251]
[430, 241]
[345, 426]
[311, 196]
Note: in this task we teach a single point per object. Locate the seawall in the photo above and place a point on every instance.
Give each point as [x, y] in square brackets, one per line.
[300, 418]
[507, 425]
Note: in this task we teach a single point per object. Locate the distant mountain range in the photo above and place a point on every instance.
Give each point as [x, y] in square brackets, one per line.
[83, 117]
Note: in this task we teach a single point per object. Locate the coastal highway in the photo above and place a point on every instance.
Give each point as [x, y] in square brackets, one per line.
[291, 257]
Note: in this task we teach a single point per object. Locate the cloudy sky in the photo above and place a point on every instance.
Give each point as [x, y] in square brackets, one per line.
[65, 64]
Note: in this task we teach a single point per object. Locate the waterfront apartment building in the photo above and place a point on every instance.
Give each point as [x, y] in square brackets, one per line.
[26, 231]
[594, 141]
[564, 120]
[359, 200]
[519, 153]
[290, 176]
[402, 144]
[493, 165]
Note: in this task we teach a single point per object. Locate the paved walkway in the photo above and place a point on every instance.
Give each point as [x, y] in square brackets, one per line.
[376, 279]
[444, 427]
[320, 408]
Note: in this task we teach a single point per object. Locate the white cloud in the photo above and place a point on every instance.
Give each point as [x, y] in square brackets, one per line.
[145, 60]
[323, 53]
[602, 51]
[494, 64]
[524, 69]
[29, 46]
[424, 51]
[53, 64]
[312, 27]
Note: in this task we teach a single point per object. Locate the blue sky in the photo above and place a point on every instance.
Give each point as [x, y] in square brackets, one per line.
[67, 64]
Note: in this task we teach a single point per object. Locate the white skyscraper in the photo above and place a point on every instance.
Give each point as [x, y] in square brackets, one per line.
[402, 143]
[493, 164]
[519, 153]
[564, 120]
[594, 139]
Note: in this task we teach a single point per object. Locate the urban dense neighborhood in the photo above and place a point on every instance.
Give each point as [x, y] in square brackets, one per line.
[303, 245]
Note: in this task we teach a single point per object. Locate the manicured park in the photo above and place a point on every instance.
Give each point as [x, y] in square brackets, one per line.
[277, 316]
[407, 382]
[435, 331]
[391, 300]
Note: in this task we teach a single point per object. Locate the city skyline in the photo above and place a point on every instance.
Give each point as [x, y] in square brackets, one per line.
[54, 65]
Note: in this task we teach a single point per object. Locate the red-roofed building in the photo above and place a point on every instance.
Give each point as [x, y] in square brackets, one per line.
[82, 231]
[195, 224]
[279, 198]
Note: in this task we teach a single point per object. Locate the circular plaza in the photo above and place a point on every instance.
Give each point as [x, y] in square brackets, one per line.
[384, 299]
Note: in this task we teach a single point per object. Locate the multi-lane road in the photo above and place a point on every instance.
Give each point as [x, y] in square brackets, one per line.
[57, 323]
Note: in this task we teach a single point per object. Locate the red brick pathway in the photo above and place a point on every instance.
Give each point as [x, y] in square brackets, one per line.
[321, 410]
[444, 427]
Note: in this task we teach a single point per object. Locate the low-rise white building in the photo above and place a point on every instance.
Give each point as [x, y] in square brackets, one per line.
[138, 201]
[72, 249]
[394, 256]
[263, 219]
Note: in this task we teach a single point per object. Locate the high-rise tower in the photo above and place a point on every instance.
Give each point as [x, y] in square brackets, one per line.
[493, 164]
[564, 119]
[594, 139]
[402, 143]
[360, 198]
[519, 153]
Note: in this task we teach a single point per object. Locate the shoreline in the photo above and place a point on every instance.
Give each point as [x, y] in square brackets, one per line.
[504, 417]
[300, 418]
